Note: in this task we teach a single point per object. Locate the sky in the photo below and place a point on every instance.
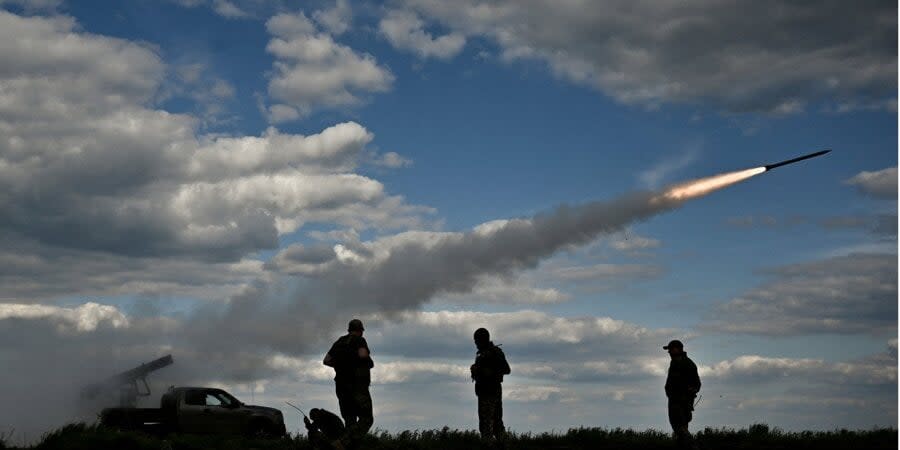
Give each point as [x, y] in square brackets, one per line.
[231, 182]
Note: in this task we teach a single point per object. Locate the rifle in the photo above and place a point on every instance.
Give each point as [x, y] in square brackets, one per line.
[698, 401]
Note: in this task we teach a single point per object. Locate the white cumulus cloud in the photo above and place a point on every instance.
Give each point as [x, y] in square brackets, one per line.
[880, 183]
[737, 56]
[313, 71]
[405, 30]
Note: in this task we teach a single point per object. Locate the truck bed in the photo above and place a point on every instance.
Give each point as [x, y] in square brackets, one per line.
[133, 418]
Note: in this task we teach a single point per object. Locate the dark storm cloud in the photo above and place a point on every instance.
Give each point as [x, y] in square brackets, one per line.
[737, 55]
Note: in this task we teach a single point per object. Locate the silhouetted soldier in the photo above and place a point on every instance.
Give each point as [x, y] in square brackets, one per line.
[487, 372]
[682, 385]
[325, 429]
[349, 356]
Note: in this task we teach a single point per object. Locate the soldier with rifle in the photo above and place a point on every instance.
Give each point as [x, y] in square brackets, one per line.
[682, 385]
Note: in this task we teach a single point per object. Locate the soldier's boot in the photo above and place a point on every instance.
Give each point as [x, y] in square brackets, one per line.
[684, 439]
[347, 442]
[501, 444]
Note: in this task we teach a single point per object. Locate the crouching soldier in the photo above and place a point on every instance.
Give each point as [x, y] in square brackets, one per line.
[682, 385]
[487, 372]
[325, 430]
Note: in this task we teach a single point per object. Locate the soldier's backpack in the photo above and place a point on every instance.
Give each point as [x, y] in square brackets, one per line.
[503, 366]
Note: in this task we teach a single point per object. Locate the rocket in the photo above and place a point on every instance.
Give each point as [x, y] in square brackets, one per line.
[700, 187]
[797, 159]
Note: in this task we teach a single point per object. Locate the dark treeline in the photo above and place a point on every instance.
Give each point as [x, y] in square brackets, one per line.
[85, 437]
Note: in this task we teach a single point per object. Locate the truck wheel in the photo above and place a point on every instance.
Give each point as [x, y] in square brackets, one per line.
[261, 429]
[115, 419]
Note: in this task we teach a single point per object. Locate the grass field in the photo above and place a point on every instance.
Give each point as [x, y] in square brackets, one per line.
[88, 437]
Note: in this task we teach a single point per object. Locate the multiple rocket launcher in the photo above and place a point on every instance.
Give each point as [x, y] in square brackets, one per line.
[126, 384]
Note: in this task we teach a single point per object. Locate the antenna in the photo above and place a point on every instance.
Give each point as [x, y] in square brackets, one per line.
[298, 409]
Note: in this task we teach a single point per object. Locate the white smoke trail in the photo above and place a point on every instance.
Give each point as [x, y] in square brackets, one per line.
[403, 272]
[703, 186]
[287, 313]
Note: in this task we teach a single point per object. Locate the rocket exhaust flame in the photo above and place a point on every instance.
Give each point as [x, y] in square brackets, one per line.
[703, 186]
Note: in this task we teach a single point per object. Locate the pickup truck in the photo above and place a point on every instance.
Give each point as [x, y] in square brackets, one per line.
[198, 410]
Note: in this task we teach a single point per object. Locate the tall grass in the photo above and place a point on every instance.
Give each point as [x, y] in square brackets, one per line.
[760, 436]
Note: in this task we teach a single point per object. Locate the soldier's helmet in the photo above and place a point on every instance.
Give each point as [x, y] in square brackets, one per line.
[482, 335]
[355, 325]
